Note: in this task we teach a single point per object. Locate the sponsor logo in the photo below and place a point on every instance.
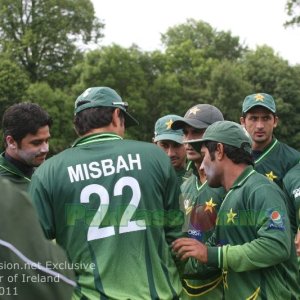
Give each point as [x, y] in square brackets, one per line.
[296, 192]
[276, 220]
[196, 234]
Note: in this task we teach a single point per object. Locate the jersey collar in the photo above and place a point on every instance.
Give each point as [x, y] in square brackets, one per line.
[11, 168]
[243, 177]
[267, 150]
[96, 137]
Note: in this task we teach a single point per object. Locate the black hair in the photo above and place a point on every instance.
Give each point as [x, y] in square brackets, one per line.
[24, 118]
[237, 155]
[244, 114]
[95, 117]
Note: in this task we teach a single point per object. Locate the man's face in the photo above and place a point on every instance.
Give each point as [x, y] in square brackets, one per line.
[33, 148]
[175, 151]
[260, 123]
[211, 168]
[191, 133]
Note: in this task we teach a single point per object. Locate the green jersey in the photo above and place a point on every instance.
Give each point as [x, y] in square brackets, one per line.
[253, 243]
[200, 204]
[113, 204]
[11, 172]
[31, 266]
[291, 185]
[276, 160]
[180, 175]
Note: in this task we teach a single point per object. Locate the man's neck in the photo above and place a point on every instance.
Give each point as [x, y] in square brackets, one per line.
[22, 167]
[103, 130]
[261, 146]
[232, 172]
[201, 173]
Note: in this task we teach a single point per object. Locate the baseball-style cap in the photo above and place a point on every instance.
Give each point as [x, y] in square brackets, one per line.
[260, 99]
[103, 96]
[225, 132]
[199, 116]
[163, 130]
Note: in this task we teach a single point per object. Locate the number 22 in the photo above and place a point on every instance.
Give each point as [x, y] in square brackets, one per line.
[94, 232]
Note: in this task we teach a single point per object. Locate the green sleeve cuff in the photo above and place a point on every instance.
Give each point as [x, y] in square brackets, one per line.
[214, 257]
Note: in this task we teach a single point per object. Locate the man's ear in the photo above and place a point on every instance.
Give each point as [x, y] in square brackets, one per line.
[10, 142]
[115, 117]
[276, 120]
[220, 151]
[242, 120]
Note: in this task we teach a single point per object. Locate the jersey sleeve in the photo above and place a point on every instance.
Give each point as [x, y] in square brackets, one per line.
[174, 216]
[23, 245]
[291, 186]
[42, 205]
[273, 242]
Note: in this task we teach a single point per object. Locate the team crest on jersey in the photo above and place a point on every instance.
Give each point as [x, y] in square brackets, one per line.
[296, 192]
[276, 220]
[271, 176]
[210, 205]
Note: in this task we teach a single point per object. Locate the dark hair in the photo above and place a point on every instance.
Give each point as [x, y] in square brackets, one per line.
[237, 155]
[244, 114]
[24, 118]
[95, 117]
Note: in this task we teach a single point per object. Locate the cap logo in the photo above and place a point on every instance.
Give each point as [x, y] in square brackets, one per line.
[194, 110]
[259, 97]
[169, 124]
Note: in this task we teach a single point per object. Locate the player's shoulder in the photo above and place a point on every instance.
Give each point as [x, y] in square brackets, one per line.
[293, 173]
[141, 144]
[150, 149]
[288, 149]
[259, 183]
[57, 159]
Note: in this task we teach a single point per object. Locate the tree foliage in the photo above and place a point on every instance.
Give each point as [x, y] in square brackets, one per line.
[213, 43]
[41, 35]
[13, 83]
[121, 69]
[293, 10]
[198, 65]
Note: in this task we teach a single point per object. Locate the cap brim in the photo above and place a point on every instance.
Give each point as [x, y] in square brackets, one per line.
[196, 144]
[129, 120]
[260, 104]
[180, 124]
[170, 137]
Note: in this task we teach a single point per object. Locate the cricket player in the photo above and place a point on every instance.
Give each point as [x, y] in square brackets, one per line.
[112, 204]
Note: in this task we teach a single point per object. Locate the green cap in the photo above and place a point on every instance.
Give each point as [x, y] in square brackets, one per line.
[163, 130]
[260, 99]
[199, 116]
[103, 96]
[225, 132]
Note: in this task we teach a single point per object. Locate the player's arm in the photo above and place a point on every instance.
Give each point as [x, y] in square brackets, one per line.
[42, 205]
[272, 245]
[195, 253]
[174, 217]
[291, 186]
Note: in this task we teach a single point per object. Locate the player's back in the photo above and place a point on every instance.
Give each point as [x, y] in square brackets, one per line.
[113, 205]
